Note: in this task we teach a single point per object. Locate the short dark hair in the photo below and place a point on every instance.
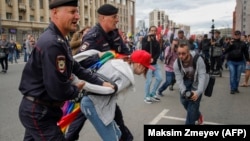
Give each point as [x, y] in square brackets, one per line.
[152, 26]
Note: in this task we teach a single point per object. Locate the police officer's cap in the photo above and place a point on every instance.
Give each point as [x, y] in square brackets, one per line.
[107, 10]
[58, 3]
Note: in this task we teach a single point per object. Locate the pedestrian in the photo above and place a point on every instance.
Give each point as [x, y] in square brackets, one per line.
[182, 40]
[104, 36]
[100, 109]
[216, 53]
[76, 40]
[237, 53]
[152, 46]
[27, 48]
[192, 83]
[12, 51]
[46, 78]
[247, 68]
[169, 58]
[205, 46]
[4, 48]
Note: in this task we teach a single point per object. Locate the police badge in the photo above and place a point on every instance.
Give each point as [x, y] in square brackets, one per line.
[60, 63]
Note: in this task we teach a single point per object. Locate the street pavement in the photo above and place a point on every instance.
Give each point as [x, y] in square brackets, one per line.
[221, 108]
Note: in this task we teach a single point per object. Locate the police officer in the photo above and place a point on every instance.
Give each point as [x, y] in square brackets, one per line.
[104, 36]
[45, 81]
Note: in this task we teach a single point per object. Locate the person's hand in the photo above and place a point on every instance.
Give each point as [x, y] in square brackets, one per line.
[80, 85]
[195, 96]
[102, 53]
[107, 84]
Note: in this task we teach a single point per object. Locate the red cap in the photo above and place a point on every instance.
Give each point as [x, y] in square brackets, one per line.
[142, 57]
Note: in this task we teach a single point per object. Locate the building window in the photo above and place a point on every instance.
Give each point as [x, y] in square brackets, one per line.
[31, 3]
[20, 18]
[9, 16]
[41, 19]
[123, 2]
[32, 18]
[41, 4]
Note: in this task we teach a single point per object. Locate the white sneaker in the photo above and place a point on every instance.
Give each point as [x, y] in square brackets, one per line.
[148, 100]
[155, 98]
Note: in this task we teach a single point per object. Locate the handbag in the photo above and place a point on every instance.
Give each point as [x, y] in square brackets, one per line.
[2, 55]
[210, 86]
[216, 51]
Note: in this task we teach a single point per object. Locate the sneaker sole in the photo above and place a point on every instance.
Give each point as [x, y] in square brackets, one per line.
[148, 102]
[156, 100]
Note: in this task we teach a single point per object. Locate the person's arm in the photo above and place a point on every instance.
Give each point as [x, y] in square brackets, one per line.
[85, 74]
[201, 76]
[246, 53]
[146, 44]
[179, 77]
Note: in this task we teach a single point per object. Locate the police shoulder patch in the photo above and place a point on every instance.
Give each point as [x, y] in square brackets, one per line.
[84, 46]
[61, 63]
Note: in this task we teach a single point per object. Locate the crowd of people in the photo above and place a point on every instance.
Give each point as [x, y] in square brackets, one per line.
[46, 81]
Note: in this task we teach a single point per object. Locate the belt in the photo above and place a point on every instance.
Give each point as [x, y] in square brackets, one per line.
[52, 104]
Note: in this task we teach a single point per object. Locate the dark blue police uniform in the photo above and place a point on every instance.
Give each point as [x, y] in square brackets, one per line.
[46, 84]
[97, 39]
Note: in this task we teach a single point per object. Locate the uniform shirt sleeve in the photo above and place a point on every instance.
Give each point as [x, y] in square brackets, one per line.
[56, 73]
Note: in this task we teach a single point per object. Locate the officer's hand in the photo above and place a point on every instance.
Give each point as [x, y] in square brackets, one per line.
[80, 85]
[101, 54]
[107, 84]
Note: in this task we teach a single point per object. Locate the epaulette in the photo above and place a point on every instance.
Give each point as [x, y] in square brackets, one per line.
[60, 40]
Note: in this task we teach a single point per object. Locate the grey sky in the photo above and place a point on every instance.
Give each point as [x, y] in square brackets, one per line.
[196, 13]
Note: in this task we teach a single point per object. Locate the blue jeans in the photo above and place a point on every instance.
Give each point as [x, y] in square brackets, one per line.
[110, 132]
[158, 76]
[192, 107]
[235, 69]
[169, 79]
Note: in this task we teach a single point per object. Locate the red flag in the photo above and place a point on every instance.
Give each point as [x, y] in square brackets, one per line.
[158, 33]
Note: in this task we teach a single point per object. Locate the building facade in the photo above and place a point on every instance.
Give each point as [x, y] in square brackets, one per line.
[242, 16]
[21, 17]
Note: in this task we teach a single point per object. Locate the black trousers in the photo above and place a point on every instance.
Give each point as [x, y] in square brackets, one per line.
[76, 126]
[40, 121]
[216, 60]
[4, 62]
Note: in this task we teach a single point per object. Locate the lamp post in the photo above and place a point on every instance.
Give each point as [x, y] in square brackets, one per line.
[212, 31]
[1, 26]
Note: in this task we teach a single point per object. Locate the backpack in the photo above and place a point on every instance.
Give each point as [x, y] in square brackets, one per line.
[209, 89]
[195, 61]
